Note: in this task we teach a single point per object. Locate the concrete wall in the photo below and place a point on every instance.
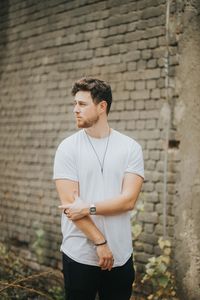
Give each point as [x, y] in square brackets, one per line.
[187, 120]
[44, 47]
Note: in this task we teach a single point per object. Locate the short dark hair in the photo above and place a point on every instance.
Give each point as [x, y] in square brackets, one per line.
[99, 89]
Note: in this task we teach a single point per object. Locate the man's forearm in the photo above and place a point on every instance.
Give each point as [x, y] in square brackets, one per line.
[114, 206]
[68, 191]
[125, 201]
[87, 226]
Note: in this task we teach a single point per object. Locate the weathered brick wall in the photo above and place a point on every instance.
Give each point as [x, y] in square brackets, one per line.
[44, 47]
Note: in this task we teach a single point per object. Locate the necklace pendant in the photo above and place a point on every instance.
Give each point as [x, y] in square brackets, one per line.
[95, 152]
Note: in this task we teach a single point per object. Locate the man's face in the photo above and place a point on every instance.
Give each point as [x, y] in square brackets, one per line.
[85, 110]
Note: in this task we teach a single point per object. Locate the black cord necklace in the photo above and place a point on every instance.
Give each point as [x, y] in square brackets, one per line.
[100, 163]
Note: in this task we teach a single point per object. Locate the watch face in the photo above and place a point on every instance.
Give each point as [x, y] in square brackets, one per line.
[93, 210]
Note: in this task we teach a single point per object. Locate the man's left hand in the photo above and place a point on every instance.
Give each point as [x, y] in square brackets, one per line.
[75, 211]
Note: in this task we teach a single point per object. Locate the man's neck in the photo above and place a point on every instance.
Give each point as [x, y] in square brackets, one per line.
[98, 131]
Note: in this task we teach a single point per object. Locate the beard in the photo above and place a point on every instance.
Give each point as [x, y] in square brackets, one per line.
[81, 123]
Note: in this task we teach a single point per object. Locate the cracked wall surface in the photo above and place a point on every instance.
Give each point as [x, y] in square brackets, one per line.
[187, 250]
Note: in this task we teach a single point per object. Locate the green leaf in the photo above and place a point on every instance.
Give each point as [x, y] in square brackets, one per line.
[40, 233]
[163, 281]
[152, 259]
[168, 243]
[140, 206]
[136, 230]
[161, 268]
[150, 271]
[163, 243]
[167, 251]
[145, 278]
[133, 214]
[165, 259]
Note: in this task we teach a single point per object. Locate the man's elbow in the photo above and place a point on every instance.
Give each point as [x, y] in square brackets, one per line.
[66, 199]
[130, 207]
[131, 204]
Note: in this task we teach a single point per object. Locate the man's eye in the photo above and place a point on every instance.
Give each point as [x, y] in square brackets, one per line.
[79, 104]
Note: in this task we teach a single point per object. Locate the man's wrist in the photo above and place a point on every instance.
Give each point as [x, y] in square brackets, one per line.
[101, 244]
[99, 240]
[86, 211]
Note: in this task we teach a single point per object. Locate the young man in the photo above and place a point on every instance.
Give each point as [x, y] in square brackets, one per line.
[98, 173]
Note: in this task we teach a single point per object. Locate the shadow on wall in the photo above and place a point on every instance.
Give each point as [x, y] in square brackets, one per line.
[4, 14]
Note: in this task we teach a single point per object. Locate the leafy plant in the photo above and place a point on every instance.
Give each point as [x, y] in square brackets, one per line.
[136, 227]
[158, 282]
[38, 244]
[158, 274]
[18, 281]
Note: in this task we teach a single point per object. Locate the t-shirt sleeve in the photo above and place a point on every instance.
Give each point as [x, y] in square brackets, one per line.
[65, 164]
[135, 161]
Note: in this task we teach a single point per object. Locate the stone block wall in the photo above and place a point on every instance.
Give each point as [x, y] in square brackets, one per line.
[44, 47]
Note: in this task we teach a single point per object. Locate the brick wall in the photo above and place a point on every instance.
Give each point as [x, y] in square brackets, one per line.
[44, 47]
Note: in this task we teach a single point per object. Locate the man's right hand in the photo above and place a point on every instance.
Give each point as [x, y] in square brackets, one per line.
[106, 259]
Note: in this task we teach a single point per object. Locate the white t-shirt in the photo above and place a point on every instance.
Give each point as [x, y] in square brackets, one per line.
[76, 160]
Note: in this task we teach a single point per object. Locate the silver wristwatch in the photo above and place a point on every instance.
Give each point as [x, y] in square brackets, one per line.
[92, 209]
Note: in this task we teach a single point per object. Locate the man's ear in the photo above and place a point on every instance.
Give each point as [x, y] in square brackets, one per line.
[103, 105]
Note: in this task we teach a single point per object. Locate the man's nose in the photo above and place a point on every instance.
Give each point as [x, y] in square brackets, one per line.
[76, 109]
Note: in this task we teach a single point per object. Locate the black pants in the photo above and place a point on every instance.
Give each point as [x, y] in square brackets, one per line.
[83, 282]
